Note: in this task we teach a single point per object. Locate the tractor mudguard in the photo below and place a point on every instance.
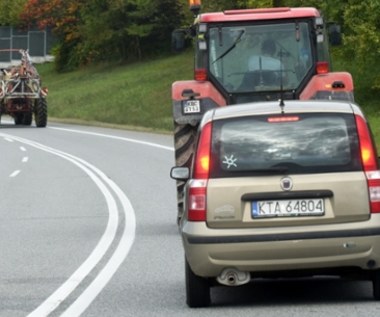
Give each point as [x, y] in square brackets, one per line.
[183, 91]
[330, 86]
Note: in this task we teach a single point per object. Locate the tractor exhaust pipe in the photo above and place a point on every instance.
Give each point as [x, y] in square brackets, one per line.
[233, 277]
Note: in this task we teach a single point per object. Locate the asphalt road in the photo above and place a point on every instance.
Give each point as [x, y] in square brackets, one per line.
[87, 227]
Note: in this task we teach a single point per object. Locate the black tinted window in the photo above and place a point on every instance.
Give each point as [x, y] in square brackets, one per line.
[307, 143]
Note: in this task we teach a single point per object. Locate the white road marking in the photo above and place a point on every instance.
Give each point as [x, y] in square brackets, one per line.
[119, 255]
[8, 139]
[116, 138]
[125, 244]
[25, 159]
[15, 173]
[22, 149]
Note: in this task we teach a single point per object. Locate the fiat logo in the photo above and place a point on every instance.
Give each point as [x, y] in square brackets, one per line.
[286, 183]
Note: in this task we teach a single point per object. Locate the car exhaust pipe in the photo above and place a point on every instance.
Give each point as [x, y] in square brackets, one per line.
[233, 277]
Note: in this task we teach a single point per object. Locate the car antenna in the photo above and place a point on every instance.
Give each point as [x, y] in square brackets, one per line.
[282, 105]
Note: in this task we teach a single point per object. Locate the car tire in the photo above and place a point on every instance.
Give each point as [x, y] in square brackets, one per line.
[376, 284]
[197, 289]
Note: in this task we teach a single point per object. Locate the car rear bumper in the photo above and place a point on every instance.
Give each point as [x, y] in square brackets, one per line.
[209, 251]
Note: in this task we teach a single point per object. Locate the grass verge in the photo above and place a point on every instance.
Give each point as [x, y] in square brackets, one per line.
[136, 95]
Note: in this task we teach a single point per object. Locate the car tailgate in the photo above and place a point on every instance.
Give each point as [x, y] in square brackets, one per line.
[335, 198]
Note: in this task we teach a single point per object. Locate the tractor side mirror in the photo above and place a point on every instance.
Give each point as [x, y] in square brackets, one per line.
[178, 40]
[335, 34]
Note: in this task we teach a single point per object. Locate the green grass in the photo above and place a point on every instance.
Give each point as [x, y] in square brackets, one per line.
[138, 95]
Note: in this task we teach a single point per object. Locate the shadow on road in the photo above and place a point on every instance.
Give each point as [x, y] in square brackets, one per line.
[293, 291]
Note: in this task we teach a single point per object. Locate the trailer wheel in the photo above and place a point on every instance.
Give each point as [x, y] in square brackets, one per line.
[40, 113]
[184, 144]
[27, 118]
[18, 118]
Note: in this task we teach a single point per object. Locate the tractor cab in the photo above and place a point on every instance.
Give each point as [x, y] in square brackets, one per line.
[253, 55]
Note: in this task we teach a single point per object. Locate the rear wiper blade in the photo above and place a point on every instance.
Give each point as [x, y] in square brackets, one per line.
[231, 47]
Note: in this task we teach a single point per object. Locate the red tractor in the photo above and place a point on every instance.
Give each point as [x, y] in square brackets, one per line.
[253, 55]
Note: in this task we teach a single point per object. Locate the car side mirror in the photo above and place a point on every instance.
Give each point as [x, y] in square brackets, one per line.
[180, 173]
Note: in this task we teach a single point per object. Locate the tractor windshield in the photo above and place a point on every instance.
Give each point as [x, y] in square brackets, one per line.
[260, 57]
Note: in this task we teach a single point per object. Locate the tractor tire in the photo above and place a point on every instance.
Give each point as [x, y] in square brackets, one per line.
[18, 118]
[184, 144]
[41, 113]
[27, 118]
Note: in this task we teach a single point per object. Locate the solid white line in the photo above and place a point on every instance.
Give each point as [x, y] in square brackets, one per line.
[116, 138]
[50, 304]
[121, 252]
[15, 173]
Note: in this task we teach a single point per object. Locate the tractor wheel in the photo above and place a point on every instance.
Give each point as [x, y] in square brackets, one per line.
[184, 144]
[18, 118]
[27, 118]
[40, 113]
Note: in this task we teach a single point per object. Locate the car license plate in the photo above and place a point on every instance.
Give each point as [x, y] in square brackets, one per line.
[191, 106]
[286, 208]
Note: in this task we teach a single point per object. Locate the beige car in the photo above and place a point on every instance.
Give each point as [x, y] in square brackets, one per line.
[281, 190]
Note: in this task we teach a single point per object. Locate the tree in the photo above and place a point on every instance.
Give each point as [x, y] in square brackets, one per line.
[90, 31]
[362, 37]
[63, 17]
[10, 11]
[126, 29]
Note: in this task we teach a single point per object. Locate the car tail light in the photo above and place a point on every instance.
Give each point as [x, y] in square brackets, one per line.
[370, 163]
[202, 158]
[197, 201]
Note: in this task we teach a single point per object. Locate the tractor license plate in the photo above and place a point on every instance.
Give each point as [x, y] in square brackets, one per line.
[288, 208]
[191, 106]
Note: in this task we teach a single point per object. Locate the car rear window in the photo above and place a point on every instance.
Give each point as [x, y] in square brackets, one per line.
[299, 143]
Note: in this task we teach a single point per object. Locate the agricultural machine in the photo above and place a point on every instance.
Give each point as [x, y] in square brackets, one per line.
[233, 65]
[21, 94]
